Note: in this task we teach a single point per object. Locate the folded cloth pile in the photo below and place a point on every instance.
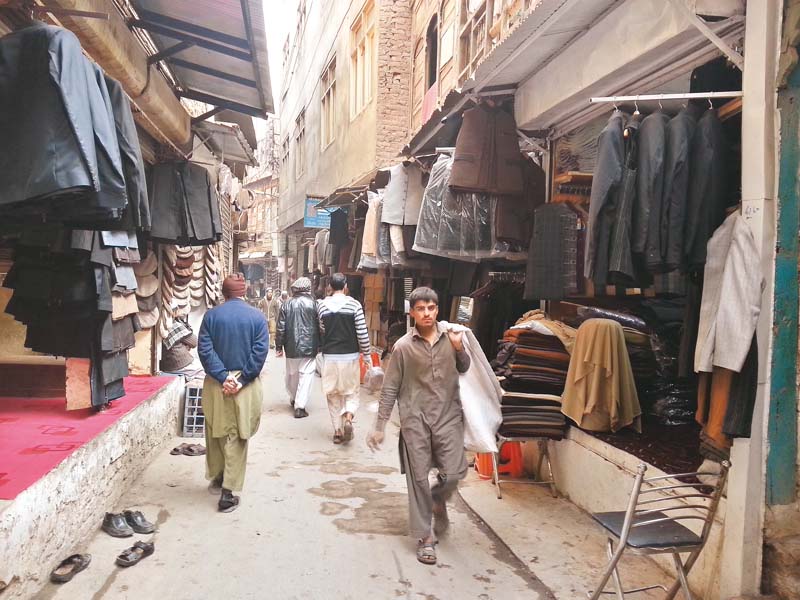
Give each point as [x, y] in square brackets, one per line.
[532, 415]
[184, 205]
[533, 361]
[70, 151]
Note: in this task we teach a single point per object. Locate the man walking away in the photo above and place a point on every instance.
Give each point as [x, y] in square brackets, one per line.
[344, 333]
[232, 345]
[422, 377]
[297, 336]
[271, 307]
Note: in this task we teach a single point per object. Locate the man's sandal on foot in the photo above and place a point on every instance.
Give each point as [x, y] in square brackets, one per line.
[426, 552]
[348, 430]
[337, 437]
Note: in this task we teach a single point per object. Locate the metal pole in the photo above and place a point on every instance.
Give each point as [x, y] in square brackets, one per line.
[656, 97]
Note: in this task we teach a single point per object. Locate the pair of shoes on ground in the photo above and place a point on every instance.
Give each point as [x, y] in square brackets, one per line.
[126, 523]
[300, 413]
[188, 450]
[72, 565]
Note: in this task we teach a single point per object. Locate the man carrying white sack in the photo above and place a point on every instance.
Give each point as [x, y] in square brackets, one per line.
[423, 378]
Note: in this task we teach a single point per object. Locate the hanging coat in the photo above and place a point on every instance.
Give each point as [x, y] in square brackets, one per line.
[487, 157]
[602, 206]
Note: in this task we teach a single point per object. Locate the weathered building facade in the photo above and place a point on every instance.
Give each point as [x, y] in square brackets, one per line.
[345, 100]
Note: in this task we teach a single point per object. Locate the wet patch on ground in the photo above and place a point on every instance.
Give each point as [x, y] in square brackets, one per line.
[384, 513]
[332, 463]
[331, 509]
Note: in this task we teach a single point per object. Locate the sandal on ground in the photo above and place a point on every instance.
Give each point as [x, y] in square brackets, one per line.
[179, 449]
[348, 430]
[426, 552]
[135, 553]
[69, 567]
[194, 450]
[337, 437]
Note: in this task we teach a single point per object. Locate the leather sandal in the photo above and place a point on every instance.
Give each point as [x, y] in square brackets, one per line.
[337, 437]
[135, 553]
[348, 429]
[69, 567]
[194, 450]
[426, 552]
[179, 449]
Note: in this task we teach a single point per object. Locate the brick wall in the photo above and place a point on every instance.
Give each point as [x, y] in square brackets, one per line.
[394, 78]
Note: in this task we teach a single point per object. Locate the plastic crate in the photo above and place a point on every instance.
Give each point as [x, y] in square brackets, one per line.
[194, 421]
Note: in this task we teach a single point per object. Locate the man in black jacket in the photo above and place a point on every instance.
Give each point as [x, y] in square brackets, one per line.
[298, 336]
[344, 335]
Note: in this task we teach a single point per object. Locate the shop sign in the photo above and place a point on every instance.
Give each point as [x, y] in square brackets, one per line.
[317, 218]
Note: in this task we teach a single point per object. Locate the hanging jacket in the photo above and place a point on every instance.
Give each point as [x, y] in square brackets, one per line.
[650, 179]
[665, 242]
[487, 157]
[298, 327]
[706, 199]
[602, 205]
[57, 129]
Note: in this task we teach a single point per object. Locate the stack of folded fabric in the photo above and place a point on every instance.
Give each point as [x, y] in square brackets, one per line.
[532, 415]
[538, 362]
[184, 205]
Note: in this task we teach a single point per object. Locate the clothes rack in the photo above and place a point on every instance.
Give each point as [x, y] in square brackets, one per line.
[659, 97]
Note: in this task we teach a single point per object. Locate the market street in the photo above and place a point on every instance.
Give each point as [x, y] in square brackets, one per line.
[316, 521]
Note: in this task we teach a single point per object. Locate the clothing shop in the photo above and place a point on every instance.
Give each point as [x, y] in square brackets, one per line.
[612, 270]
[116, 234]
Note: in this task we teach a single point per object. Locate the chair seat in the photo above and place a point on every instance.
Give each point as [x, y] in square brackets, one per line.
[667, 534]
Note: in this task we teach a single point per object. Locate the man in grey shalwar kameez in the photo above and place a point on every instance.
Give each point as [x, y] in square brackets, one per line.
[422, 377]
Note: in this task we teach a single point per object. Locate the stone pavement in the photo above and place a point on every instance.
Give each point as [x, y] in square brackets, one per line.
[317, 521]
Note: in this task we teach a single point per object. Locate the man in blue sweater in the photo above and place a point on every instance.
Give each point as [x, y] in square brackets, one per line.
[232, 345]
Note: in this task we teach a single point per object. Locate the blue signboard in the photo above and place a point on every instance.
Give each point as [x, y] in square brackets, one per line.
[318, 218]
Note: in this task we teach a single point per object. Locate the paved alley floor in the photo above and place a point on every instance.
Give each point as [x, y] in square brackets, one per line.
[317, 521]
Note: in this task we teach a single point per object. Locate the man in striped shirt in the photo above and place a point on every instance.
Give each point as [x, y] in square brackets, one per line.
[344, 334]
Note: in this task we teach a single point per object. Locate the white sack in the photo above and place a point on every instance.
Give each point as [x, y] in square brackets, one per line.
[481, 395]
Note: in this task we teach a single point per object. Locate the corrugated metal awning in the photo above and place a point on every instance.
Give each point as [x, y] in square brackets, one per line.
[228, 143]
[216, 49]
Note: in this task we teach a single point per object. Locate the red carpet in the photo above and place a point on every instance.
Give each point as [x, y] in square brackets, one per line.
[36, 434]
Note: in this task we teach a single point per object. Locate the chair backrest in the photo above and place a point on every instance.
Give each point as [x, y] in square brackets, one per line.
[663, 501]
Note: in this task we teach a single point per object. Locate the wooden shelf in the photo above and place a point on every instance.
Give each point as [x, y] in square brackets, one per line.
[573, 177]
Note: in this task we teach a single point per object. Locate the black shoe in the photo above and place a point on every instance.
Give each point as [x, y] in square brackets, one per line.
[300, 413]
[115, 525]
[138, 523]
[227, 501]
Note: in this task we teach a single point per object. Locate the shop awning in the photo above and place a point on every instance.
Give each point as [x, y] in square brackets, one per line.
[344, 196]
[435, 132]
[216, 49]
[550, 27]
[228, 143]
[565, 51]
[244, 122]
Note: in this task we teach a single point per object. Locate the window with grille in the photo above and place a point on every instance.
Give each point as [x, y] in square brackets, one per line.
[362, 58]
[328, 113]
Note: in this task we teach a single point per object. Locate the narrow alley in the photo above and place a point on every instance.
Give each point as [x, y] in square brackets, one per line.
[317, 521]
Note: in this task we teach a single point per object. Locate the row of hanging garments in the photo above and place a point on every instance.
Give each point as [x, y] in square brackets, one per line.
[658, 194]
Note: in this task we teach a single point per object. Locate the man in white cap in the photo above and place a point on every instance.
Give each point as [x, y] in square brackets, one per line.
[297, 337]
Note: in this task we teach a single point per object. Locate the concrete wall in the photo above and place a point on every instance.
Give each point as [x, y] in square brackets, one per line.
[51, 519]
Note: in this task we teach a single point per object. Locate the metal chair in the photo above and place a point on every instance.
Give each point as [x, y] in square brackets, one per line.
[649, 527]
[544, 457]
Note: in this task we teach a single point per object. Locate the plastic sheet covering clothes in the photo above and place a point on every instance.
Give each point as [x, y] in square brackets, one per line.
[480, 394]
[457, 225]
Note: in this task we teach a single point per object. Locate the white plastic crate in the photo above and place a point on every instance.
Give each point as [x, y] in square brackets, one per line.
[194, 421]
